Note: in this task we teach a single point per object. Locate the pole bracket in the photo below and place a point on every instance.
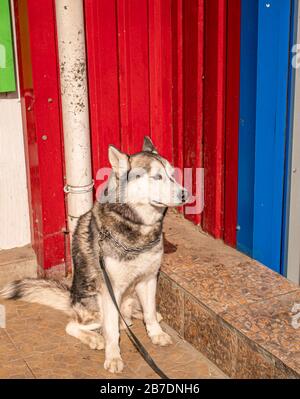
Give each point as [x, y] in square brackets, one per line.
[68, 189]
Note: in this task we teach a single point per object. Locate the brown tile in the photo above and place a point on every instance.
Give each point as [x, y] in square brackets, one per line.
[171, 223]
[42, 349]
[282, 371]
[256, 363]
[16, 255]
[176, 224]
[180, 360]
[217, 275]
[11, 363]
[7, 350]
[17, 263]
[15, 369]
[251, 363]
[27, 325]
[210, 336]
[269, 325]
[170, 303]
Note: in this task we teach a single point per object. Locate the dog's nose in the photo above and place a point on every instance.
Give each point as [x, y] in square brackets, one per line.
[184, 195]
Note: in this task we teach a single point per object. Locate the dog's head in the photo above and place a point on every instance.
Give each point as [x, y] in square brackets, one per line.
[146, 177]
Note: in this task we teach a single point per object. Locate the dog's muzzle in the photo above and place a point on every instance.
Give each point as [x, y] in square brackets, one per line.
[184, 196]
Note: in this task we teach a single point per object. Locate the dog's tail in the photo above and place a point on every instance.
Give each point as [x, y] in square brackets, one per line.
[46, 292]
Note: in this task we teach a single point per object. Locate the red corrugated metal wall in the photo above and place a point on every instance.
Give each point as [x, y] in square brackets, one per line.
[40, 97]
[145, 63]
[159, 67]
[164, 68]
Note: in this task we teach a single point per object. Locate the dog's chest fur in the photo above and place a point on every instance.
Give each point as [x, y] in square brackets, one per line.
[126, 273]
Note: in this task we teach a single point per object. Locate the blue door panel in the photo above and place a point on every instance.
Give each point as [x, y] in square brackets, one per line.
[247, 125]
[263, 120]
[271, 117]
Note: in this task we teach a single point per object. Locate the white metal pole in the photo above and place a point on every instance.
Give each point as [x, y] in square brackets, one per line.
[75, 108]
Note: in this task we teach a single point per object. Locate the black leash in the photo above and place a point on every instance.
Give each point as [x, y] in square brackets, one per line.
[133, 338]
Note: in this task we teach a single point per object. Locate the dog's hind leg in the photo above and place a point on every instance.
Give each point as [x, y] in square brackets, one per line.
[85, 333]
[127, 312]
[132, 308]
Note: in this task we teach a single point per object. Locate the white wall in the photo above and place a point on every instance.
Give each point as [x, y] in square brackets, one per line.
[14, 210]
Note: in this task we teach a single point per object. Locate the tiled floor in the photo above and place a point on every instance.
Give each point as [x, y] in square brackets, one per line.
[35, 345]
[233, 310]
[17, 263]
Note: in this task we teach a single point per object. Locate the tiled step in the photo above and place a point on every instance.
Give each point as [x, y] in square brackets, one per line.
[238, 313]
[17, 263]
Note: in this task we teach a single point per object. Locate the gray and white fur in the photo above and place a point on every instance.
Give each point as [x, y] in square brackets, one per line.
[132, 208]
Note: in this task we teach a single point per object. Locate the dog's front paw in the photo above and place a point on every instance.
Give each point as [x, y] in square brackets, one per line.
[161, 339]
[115, 365]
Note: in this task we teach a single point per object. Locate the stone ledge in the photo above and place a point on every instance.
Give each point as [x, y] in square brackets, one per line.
[235, 311]
[17, 263]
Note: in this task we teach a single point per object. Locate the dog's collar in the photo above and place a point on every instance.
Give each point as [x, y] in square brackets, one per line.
[106, 234]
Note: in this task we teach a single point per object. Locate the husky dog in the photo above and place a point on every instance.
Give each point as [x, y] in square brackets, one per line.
[131, 212]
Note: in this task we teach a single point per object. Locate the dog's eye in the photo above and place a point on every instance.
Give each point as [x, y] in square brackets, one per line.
[157, 177]
[137, 176]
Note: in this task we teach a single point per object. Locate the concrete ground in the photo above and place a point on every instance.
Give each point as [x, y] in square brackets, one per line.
[34, 345]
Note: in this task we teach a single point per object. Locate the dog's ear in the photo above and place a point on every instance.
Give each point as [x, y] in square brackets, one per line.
[149, 146]
[119, 160]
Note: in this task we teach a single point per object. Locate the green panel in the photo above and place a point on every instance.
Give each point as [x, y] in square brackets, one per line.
[7, 69]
